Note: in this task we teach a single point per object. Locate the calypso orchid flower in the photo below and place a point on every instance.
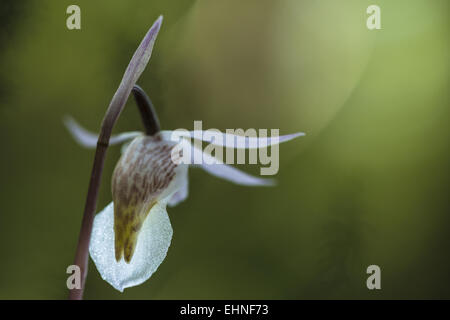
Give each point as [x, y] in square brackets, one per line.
[131, 235]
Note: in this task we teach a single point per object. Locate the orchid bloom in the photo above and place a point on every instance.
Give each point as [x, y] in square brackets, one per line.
[131, 235]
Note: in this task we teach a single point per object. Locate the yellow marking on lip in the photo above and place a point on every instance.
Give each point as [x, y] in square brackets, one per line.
[127, 225]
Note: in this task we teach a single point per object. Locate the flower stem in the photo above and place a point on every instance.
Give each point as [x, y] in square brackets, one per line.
[132, 73]
[82, 256]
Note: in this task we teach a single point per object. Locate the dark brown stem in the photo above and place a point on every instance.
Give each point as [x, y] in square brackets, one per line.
[148, 114]
[82, 256]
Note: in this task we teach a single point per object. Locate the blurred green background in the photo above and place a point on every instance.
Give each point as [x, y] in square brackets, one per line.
[367, 185]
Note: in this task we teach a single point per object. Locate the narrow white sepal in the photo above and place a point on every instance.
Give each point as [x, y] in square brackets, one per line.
[89, 139]
[229, 140]
[151, 248]
[227, 172]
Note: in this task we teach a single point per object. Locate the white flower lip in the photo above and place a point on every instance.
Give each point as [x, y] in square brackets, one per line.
[151, 249]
